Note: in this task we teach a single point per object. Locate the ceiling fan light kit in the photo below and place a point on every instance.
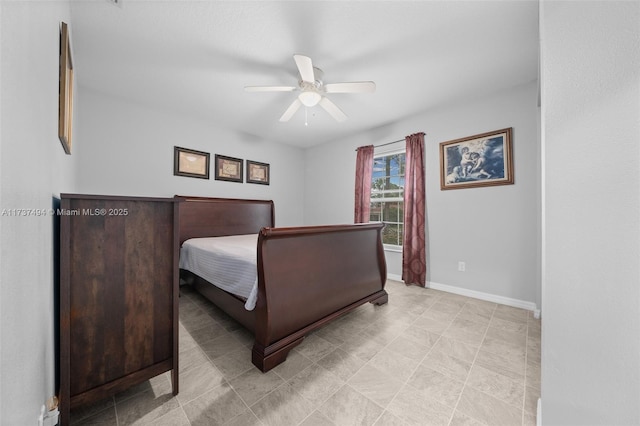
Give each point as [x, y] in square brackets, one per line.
[310, 98]
[313, 90]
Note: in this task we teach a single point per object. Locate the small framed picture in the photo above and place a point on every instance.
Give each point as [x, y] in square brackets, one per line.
[190, 163]
[475, 161]
[228, 168]
[257, 172]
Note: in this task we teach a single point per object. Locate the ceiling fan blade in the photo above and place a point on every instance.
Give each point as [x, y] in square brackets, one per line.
[269, 88]
[353, 87]
[305, 67]
[332, 109]
[291, 110]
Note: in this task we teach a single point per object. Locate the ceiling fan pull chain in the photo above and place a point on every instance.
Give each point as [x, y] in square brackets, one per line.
[306, 123]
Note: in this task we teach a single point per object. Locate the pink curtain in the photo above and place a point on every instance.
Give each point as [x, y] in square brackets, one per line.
[414, 250]
[364, 169]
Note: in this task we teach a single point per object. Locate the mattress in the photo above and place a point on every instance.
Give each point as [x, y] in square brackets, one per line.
[226, 262]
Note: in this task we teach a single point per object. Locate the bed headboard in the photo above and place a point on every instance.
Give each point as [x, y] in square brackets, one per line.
[216, 217]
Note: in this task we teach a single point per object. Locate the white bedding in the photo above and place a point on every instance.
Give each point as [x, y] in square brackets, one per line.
[227, 262]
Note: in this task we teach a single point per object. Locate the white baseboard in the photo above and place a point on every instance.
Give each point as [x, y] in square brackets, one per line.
[394, 277]
[516, 303]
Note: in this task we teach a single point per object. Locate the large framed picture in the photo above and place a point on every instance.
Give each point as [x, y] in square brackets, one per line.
[479, 160]
[190, 163]
[257, 172]
[228, 168]
[65, 88]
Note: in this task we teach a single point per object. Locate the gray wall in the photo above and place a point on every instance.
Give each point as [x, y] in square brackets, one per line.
[591, 290]
[495, 230]
[127, 149]
[33, 168]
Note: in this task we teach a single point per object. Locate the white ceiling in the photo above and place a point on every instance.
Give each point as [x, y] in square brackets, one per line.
[195, 57]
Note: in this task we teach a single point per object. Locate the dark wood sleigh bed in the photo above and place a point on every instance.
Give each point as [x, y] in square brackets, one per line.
[307, 276]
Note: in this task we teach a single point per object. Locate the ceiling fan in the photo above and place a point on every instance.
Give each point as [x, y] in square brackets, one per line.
[313, 90]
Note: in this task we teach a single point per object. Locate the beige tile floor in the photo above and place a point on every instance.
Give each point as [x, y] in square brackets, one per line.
[425, 358]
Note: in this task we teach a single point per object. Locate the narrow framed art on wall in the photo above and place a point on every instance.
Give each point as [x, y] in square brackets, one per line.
[65, 90]
[476, 161]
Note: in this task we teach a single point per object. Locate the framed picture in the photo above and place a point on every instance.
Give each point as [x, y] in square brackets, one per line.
[228, 168]
[65, 87]
[190, 163]
[257, 172]
[479, 160]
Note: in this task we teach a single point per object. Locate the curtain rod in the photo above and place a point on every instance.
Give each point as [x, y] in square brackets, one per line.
[388, 143]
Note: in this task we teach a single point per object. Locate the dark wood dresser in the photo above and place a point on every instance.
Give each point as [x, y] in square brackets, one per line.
[118, 295]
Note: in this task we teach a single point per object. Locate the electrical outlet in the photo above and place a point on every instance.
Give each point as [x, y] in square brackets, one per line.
[462, 266]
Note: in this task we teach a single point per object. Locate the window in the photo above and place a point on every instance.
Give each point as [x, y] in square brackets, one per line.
[387, 196]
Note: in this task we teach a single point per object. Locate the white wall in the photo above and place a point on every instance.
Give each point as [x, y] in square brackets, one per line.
[591, 292]
[127, 149]
[495, 230]
[33, 168]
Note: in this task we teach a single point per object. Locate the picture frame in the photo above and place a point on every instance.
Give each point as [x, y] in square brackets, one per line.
[190, 163]
[258, 172]
[65, 91]
[228, 168]
[476, 161]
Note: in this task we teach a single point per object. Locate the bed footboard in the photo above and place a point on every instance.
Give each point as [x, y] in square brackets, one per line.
[309, 276]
